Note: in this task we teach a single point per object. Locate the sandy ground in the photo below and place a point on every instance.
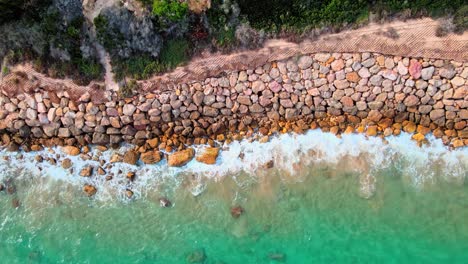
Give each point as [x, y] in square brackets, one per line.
[416, 38]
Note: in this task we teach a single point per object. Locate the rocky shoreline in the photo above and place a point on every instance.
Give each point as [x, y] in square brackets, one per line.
[336, 92]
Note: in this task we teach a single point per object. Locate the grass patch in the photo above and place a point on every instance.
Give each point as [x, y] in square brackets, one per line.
[5, 70]
[173, 54]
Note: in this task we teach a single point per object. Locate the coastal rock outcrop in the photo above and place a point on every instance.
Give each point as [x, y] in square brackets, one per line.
[180, 158]
[208, 155]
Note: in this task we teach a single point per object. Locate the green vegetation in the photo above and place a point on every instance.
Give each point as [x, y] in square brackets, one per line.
[128, 89]
[38, 31]
[173, 10]
[11, 10]
[461, 19]
[226, 37]
[5, 70]
[173, 54]
[108, 37]
[280, 14]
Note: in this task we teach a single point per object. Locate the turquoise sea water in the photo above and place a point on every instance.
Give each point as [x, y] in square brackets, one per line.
[317, 215]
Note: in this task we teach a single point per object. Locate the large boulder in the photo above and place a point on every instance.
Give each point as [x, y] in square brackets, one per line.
[151, 157]
[131, 157]
[208, 155]
[180, 158]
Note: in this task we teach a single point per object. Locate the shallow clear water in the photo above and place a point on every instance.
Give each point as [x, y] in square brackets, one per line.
[321, 212]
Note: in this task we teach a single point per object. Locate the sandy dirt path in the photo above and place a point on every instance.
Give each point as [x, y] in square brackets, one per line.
[91, 9]
[416, 38]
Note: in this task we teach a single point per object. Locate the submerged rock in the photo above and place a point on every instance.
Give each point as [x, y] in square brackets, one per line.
[270, 164]
[11, 189]
[15, 203]
[276, 256]
[237, 211]
[197, 256]
[208, 155]
[367, 186]
[2, 187]
[89, 190]
[164, 202]
[180, 158]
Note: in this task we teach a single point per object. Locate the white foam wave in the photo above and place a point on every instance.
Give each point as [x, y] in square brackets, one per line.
[290, 153]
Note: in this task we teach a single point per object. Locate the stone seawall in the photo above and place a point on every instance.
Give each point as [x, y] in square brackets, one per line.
[340, 92]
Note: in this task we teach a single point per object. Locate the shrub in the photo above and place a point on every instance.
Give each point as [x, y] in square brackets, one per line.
[127, 89]
[226, 37]
[173, 10]
[5, 70]
[391, 33]
[445, 27]
[460, 19]
[143, 66]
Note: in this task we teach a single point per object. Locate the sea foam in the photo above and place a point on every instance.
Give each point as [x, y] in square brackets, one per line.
[289, 153]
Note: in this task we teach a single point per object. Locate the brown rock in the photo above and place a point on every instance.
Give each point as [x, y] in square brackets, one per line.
[87, 171]
[237, 211]
[371, 131]
[415, 69]
[89, 190]
[436, 114]
[349, 130]
[151, 157]
[131, 175]
[164, 202]
[101, 171]
[131, 157]
[409, 127]
[36, 148]
[411, 100]
[457, 143]
[15, 203]
[270, 164]
[353, 77]
[66, 163]
[208, 155]
[337, 65]
[153, 143]
[180, 158]
[129, 193]
[423, 130]
[71, 150]
[374, 115]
